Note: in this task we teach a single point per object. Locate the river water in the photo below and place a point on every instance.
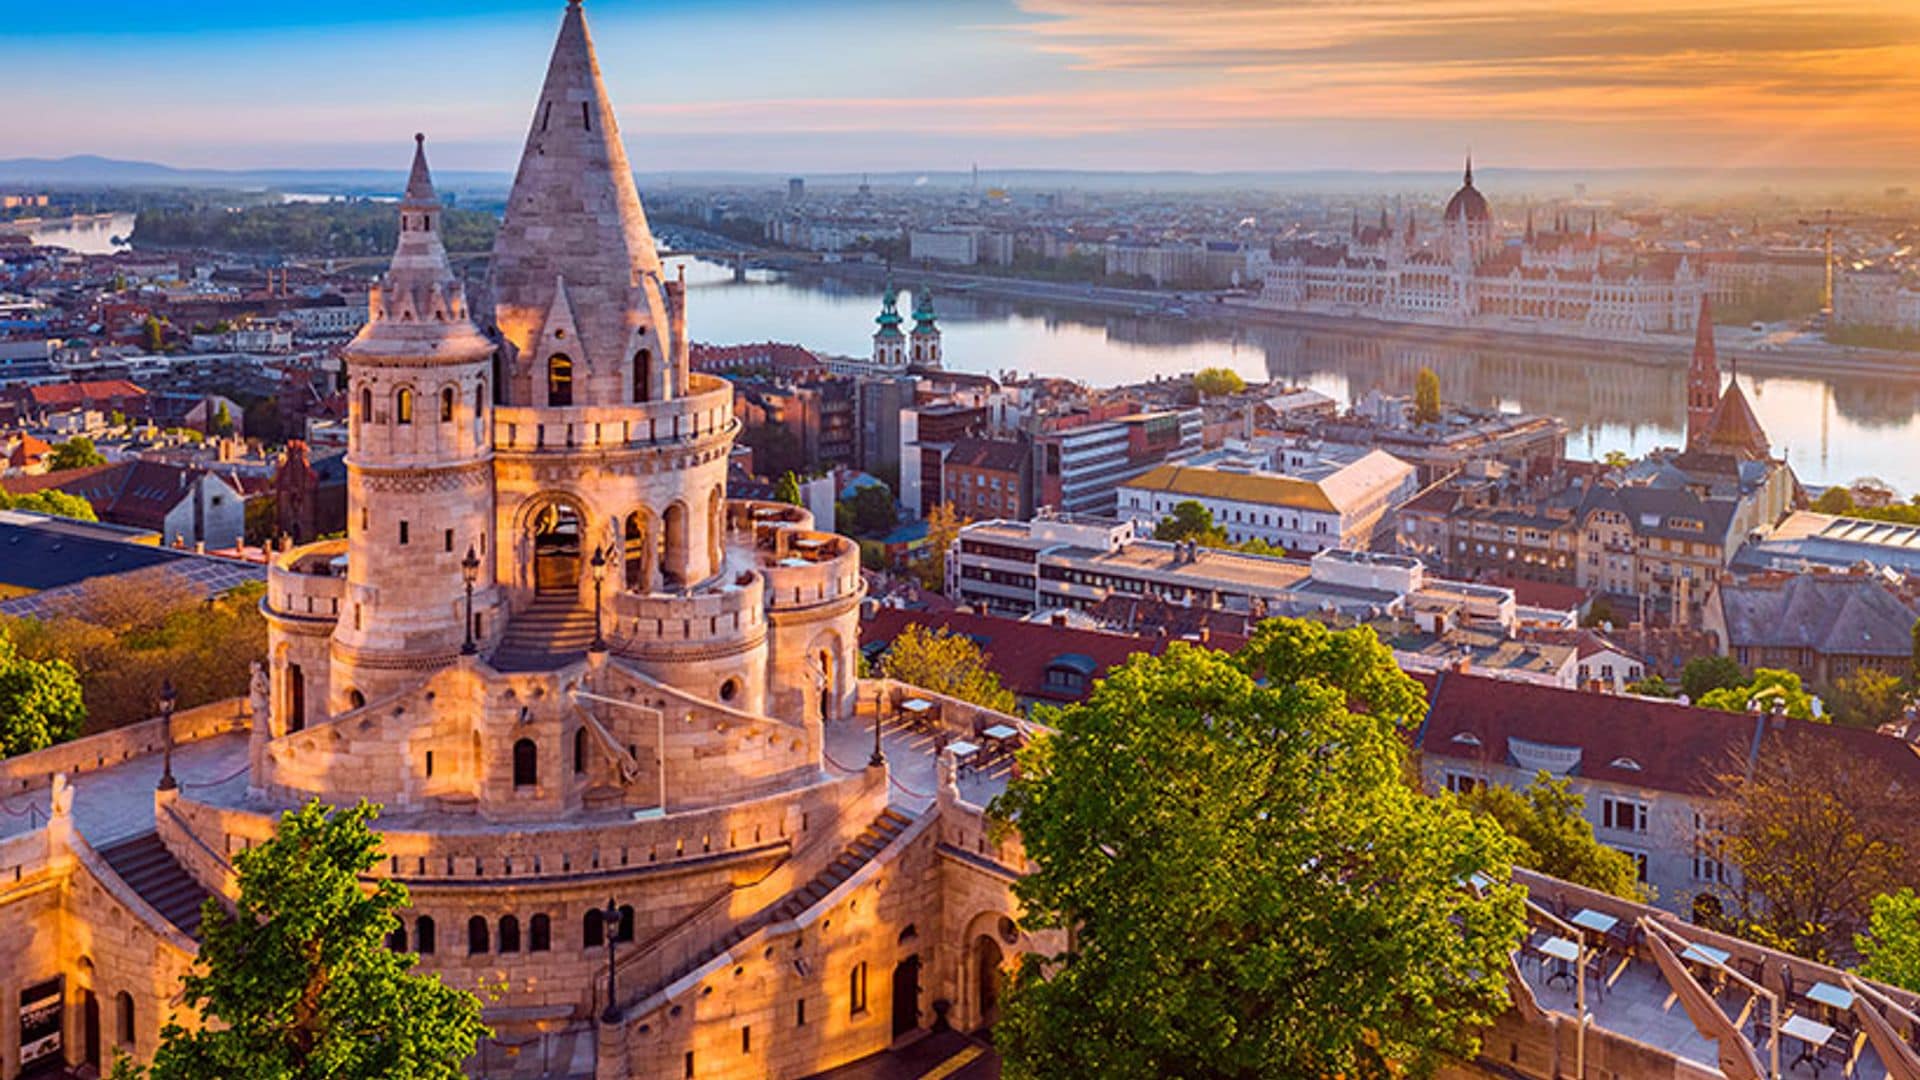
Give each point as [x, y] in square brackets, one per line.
[1831, 428]
[92, 235]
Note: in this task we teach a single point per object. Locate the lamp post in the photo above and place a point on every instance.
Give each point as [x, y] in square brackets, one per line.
[470, 571]
[167, 698]
[610, 918]
[878, 757]
[599, 577]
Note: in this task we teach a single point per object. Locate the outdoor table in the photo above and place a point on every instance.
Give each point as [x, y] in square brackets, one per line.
[1812, 1035]
[1715, 959]
[963, 752]
[1000, 732]
[918, 712]
[1597, 921]
[1833, 997]
[1561, 949]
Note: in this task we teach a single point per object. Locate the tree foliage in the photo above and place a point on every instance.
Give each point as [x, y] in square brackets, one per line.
[1891, 944]
[153, 334]
[1651, 686]
[1706, 673]
[1555, 836]
[303, 228]
[1218, 382]
[50, 501]
[222, 422]
[1253, 887]
[871, 512]
[787, 489]
[40, 701]
[299, 982]
[1189, 520]
[1770, 686]
[946, 663]
[1866, 698]
[1426, 397]
[943, 528]
[76, 453]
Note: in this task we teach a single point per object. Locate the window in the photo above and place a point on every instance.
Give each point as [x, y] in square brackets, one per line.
[746, 1038]
[1623, 815]
[509, 934]
[526, 764]
[123, 1008]
[446, 405]
[593, 933]
[643, 375]
[1461, 783]
[366, 404]
[800, 1013]
[857, 989]
[477, 936]
[626, 923]
[447, 541]
[1639, 863]
[559, 379]
[423, 935]
[539, 933]
[403, 406]
[397, 941]
[580, 751]
[429, 763]
[403, 532]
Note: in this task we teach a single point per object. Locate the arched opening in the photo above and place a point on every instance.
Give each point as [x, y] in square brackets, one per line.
[123, 1018]
[580, 752]
[446, 405]
[477, 936]
[403, 406]
[366, 405]
[509, 934]
[626, 923]
[673, 565]
[296, 698]
[716, 528]
[636, 552]
[423, 935]
[593, 929]
[987, 959]
[90, 1026]
[498, 381]
[556, 548]
[526, 764]
[825, 660]
[356, 699]
[480, 400]
[539, 933]
[643, 375]
[906, 996]
[397, 940]
[559, 379]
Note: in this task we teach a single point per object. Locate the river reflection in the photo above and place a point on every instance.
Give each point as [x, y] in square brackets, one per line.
[1832, 428]
[90, 235]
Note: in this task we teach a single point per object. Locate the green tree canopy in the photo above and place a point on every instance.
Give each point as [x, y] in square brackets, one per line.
[1651, 686]
[1426, 397]
[299, 982]
[943, 528]
[50, 501]
[1865, 698]
[1706, 673]
[153, 334]
[222, 422]
[946, 663]
[1190, 521]
[40, 702]
[871, 511]
[76, 453]
[787, 489]
[1769, 685]
[1555, 836]
[1254, 888]
[1891, 944]
[1218, 381]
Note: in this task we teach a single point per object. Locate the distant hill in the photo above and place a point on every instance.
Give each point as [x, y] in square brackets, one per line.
[90, 170]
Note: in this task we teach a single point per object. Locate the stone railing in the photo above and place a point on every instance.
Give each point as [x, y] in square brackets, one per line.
[302, 583]
[805, 569]
[32, 771]
[719, 614]
[705, 413]
[23, 856]
[745, 516]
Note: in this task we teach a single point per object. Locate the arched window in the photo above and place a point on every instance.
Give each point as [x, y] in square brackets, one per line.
[593, 929]
[123, 1010]
[446, 405]
[643, 375]
[403, 406]
[635, 554]
[477, 936]
[580, 751]
[526, 764]
[559, 379]
[366, 405]
[539, 933]
[356, 699]
[480, 400]
[423, 935]
[397, 941]
[626, 923]
[509, 934]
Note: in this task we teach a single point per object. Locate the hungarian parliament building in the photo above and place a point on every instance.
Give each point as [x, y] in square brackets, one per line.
[1466, 273]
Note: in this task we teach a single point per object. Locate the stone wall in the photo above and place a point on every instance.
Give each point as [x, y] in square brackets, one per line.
[36, 770]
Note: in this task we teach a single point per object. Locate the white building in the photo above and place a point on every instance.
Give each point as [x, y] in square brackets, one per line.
[1336, 506]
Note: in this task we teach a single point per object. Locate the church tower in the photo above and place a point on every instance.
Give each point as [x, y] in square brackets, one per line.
[926, 333]
[419, 465]
[1703, 376]
[889, 344]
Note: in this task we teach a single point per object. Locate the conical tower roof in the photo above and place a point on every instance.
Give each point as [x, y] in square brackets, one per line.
[1734, 429]
[889, 318]
[923, 316]
[419, 310]
[574, 217]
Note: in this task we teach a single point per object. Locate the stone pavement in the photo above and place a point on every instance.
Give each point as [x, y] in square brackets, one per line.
[910, 763]
[117, 802]
[943, 1055]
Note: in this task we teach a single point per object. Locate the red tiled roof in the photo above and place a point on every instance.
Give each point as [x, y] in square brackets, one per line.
[1544, 594]
[29, 451]
[69, 395]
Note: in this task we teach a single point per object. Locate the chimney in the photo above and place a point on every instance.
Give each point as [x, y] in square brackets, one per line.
[1059, 618]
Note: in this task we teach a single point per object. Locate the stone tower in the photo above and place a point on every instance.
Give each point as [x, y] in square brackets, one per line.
[889, 344]
[419, 464]
[1703, 376]
[926, 332]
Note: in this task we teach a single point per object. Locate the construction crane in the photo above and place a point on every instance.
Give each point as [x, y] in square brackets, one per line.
[1827, 221]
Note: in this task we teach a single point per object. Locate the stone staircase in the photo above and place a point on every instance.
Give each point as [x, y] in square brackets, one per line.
[884, 830]
[151, 871]
[552, 632]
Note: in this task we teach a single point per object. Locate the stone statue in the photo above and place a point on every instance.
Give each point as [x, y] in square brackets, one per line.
[260, 694]
[61, 800]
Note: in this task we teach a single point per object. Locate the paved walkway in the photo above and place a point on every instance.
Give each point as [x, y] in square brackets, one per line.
[117, 802]
[910, 763]
[946, 1055]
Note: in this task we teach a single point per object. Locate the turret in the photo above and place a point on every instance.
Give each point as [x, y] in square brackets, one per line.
[926, 333]
[889, 344]
[1703, 376]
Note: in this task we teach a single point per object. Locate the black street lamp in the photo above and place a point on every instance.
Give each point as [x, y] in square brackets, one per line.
[599, 565]
[610, 918]
[167, 698]
[878, 757]
[470, 570]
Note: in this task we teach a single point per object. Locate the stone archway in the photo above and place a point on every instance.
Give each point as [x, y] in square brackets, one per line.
[988, 961]
[637, 552]
[555, 531]
[825, 657]
[990, 938]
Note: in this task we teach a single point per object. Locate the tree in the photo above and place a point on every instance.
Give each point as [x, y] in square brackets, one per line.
[1705, 673]
[1836, 500]
[76, 453]
[1616, 459]
[50, 501]
[1426, 397]
[40, 702]
[1253, 888]
[222, 422]
[943, 528]
[871, 511]
[1891, 944]
[946, 663]
[1815, 832]
[787, 489]
[1867, 698]
[153, 335]
[1555, 836]
[1190, 521]
[1651, 686]
[1769, 686]
[299, 980]
[1218, 382]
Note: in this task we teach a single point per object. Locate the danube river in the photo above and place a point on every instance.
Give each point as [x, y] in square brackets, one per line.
[1832, 428]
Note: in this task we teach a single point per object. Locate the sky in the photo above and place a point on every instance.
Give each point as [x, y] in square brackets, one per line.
[852, 85]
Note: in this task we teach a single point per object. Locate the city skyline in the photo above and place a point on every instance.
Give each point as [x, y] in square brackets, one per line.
[1097, 84]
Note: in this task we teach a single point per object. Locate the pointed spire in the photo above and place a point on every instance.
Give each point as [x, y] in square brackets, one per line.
[420, 181]
[1529, 224]
[1354, 229]
[1469, 178]
[1593, 225]
[419, 309]
[1385, 225]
